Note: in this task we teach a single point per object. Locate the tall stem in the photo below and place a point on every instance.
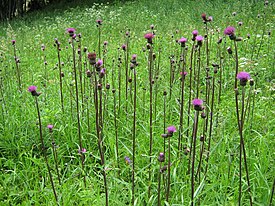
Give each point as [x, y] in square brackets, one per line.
[169, 170]
[182, 101]
[60, 76]
[151, 117]
[44, 150]
[77, 114]
[195, 128]
[134, 138]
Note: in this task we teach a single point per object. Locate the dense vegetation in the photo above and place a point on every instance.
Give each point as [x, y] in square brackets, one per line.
[137, 132]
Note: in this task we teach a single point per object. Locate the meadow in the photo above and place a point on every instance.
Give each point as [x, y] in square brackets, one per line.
[139, 103]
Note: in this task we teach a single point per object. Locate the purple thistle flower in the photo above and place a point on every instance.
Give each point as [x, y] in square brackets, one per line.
[102, 72]
[134, 56]
[161, 157]
[71, 31]
[230, 30]
[184, 73]
[210, 18]
[105, 43]
[13, 42]
[50, 127]
[123, 47]
[99, 63]
[83, 150]
[195, 32]
[199, 38]
[32, 88]
[240, 23]
[92, 58]
[171, 130]
[127, 160]
[197, 104]
[203, 16]
[243, 77]
[182, 41]
[149, 37]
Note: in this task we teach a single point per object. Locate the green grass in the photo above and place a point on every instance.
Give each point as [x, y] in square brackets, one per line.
[24, 177]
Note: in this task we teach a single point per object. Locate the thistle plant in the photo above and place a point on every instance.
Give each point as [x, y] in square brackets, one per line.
[55, 156]
[149, 37]
[98, 114]
[18, 70]
[161, 159]
[183, 73]
[71, 32]
[243, 77]
[198, 107]
[33, 90]
[57, 44]
[194, 33]
[133, 66]
[170, 131]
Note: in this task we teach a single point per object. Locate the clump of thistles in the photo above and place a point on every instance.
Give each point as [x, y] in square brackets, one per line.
[243, 77]
[197, 104]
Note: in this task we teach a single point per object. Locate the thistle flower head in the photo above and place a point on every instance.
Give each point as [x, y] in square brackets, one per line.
[123, 47]
[71, 31]
[184, 73]
[195, 32]
[13, 42]
[92, 58]
[32, 90]
[243, 77]
[99, 63]
[199, 38]
[210, 18]
[203, 16]
[182, 41]
[197, 104]
[82, 151]
[230, 30]
[149, 37]
[99, 21]
[161, 157]
[50, 127]
[171, 130]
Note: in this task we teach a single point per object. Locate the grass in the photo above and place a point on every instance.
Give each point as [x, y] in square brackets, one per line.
[24, 177]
